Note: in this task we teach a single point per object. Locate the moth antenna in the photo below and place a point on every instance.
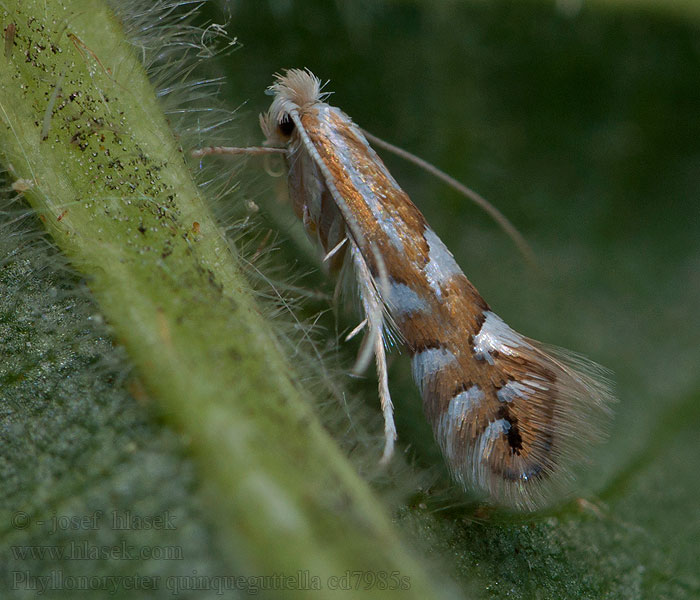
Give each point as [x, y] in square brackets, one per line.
[479, 200]
[250, 150]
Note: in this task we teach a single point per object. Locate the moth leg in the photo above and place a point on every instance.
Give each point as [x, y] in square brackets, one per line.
[374, 344]
[385, 399]
[337, 247]
[357, 330]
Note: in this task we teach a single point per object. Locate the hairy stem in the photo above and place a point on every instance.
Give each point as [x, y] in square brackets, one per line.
[85, 138]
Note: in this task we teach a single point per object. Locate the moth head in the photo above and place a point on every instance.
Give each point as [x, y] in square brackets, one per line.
[292, 92]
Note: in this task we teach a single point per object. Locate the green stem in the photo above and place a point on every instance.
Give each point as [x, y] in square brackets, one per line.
[82, 130]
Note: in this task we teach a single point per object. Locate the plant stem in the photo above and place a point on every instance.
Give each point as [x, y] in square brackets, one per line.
[83, 133]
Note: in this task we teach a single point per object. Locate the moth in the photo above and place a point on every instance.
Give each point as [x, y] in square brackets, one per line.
[510, 414]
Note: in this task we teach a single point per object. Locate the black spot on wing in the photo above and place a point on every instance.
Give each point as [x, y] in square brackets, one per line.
[515, 440]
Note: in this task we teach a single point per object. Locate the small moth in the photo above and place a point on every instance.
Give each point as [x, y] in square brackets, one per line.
[509, 414]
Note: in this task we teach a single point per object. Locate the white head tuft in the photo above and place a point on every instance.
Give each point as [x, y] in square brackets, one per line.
[297, 86]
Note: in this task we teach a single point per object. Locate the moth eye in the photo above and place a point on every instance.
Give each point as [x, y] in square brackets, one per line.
[286, 125]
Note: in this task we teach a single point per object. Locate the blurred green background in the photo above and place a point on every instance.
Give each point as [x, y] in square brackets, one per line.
[581, 122]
